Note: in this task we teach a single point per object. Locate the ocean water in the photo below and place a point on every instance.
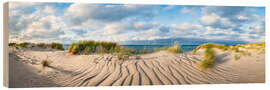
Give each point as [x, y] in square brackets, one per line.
[150, 47]
[153, 47]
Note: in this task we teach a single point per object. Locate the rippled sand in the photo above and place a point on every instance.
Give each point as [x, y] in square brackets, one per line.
[160, 68]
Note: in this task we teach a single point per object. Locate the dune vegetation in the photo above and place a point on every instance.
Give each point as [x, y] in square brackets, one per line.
[236, 57]
[175, 49]
[58, 46]
[91, 47]
[102, 47]
[209, 58]
[45, 63]
[99, 47]
[210, 54]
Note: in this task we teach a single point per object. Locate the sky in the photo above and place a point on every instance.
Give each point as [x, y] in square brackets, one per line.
[70, 22]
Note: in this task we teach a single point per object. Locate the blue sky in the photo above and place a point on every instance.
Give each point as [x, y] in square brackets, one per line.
[69, 22]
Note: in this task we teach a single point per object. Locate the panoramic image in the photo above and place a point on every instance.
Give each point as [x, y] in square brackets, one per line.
[87, 44]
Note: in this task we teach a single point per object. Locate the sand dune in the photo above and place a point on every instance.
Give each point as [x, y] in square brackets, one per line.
[160, 68]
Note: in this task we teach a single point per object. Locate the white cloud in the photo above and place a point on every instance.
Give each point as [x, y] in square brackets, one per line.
[189, 10]
[188, 26]
[128, 22]
[209, 28]
[13, 5]
[101, 13]
[209, 19]
[113, 29]
[169, 7]
[40, 25]
[49, 10]
[145, 25]
[242, 17]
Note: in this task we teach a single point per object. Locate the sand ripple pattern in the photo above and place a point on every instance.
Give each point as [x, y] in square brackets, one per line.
[170, 69]
[160, 68]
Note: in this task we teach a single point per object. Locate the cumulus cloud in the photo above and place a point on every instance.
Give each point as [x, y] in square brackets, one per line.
[144, 25]
[188, 26]
[189, 10]
[36, 25]
[113, 29]
[240, 20]
[43, 22]
[107, 13]
[209, 19]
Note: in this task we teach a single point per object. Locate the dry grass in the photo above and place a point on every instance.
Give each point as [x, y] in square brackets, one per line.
[58, 46]
[209, 59]
[99, 47]
[210, 55]
[236, 57]
[89, 46]
[45, 63]
[175, 49]
[210, 45]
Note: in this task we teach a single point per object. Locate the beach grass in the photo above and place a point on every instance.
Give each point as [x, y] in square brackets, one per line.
[211, 45]
[175, 49]
[99, 47]
[24, 44]
[45, 63]
[90, 46]
[209, 59]
[122, 52]
[236, 48]
[102, 47]
[12, 44]
[41, 45]
[236, 57]
[210, 54]
[58, 46]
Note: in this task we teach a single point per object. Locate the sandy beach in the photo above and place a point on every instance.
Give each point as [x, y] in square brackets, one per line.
[159, 68]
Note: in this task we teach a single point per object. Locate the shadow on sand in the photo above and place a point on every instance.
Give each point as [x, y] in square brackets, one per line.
[22, 75]
[222, 58]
